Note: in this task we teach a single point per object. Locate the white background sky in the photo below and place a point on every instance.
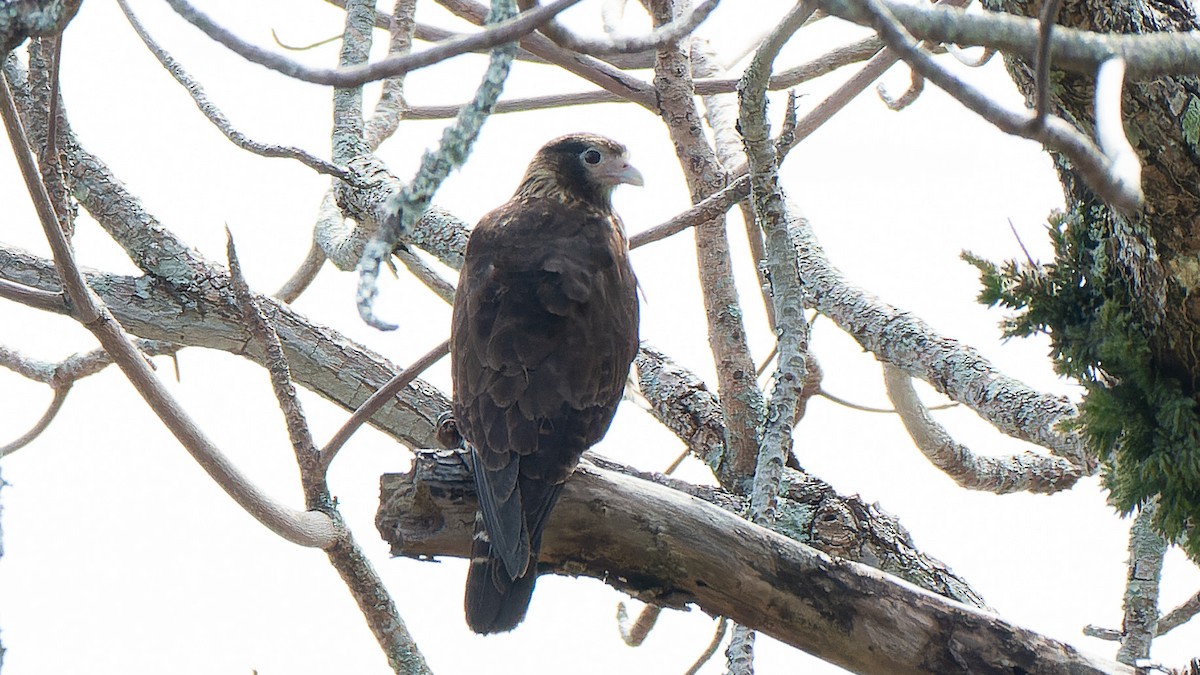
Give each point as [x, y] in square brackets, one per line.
[121, 556]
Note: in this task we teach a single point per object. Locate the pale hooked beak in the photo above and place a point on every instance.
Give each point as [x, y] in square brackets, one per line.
[629, 174]
[618, 170]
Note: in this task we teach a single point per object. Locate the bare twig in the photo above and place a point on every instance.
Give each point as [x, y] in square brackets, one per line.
[502, 33]
[303, 276]
[1180, 615]
[915, 87]
[635, 634]
[1093, 166]
[967, 60]
[1023, 472]
[718, 635]
[60, 396]
[614, 44]
[426, 274]
[376, 401]
[593, 70]
[214, 114]
[1046, 20]
[828, 63]
[712, 206]
[49, 301]
[303, 528]
[316, 493]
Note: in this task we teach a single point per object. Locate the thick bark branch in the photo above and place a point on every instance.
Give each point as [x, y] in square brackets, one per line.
[321, 359]
[673, 549]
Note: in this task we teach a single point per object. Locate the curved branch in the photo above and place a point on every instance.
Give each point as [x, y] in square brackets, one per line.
[953, 368]
[303, 528]
[60, 396]
[502, 33]
[1024, 472]
[664, 34]
[214, 114]
[1147, 56]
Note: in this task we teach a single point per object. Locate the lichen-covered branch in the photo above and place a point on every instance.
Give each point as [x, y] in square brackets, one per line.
[1147, 56]
[810, 510]
[954, 369]
[407, 205]
[1146, 551]
[1023, 472]
[743, 402]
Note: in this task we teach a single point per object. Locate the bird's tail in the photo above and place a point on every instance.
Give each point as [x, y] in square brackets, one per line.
[495, 602]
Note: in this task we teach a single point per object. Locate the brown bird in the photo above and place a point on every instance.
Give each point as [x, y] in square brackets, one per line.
[545, 326]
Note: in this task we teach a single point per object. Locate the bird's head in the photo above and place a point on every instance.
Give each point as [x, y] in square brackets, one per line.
[580, 167]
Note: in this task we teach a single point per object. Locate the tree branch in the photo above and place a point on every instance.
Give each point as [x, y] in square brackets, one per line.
[503, 33]
[1002, 475]
[214, 114]
[667, 548]
[303, 528]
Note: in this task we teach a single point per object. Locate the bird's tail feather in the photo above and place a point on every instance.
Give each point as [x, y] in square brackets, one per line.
[495, 602]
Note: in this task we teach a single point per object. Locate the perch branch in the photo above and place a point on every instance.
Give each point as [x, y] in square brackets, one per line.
[665, 547]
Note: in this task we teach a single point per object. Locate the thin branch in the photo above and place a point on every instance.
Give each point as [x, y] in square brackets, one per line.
[1180, 615]
[1046, 20]
[718, 635]
[593, 70]
[316, 493]
[1126, 166]
[376, 401]
[915, 87]
[502, 33]
[1147, 56]
[426, 274]
[303, 276]
[614, 44]
[60, 396]
[962, 57]
[214, 114]
[635, 634]
[833, 60]
[303, 528]
[1093, 166]
[1023, 472]
[48, 301]
[712, 206]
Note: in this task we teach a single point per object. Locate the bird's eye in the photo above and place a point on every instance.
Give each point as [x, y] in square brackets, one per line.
[591, 156]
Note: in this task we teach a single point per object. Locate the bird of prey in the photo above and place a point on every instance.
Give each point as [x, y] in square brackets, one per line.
[545, 326]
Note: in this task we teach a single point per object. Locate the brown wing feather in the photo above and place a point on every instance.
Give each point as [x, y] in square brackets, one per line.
[544, 330]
